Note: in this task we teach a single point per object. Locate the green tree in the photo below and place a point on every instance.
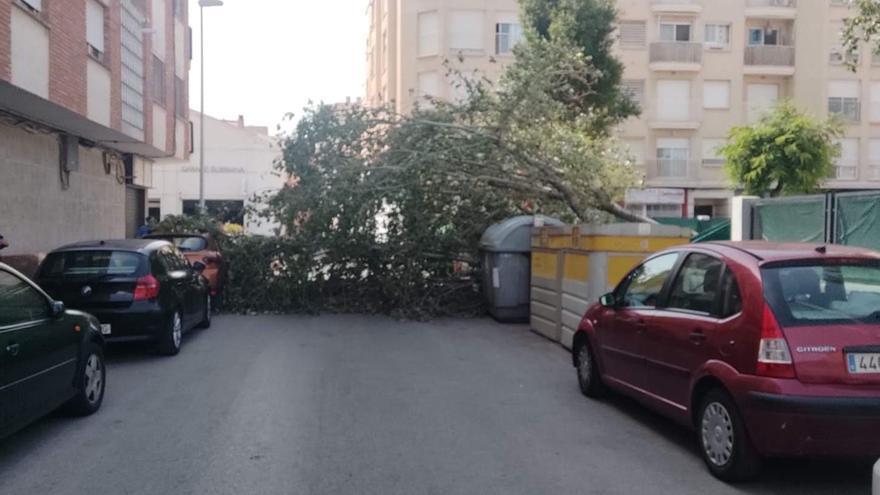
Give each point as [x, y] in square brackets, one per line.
[786, 152]
[864, 27]
[587, 25]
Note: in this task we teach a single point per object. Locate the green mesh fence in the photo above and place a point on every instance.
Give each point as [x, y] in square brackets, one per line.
[791, 220]
[858, 220]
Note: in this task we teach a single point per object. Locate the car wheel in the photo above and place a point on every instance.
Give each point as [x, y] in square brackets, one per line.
[587, 372]
[724, 442]
[90, 384]
[206, 318]
[169, 343]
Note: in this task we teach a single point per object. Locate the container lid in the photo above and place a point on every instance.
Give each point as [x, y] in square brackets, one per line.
[513, 235]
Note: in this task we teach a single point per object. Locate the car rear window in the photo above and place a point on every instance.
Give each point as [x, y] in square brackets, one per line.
[91, 264]
[824, 294]
[185, 244]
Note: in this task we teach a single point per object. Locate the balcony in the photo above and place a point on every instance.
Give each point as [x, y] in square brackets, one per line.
[669, 171]
[676, 56]
[769, 60]
[771, 9]
[676, 6]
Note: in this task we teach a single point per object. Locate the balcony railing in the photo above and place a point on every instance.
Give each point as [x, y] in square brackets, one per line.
[785, 4]
[668, 168]
[770, 55]
[676, 51]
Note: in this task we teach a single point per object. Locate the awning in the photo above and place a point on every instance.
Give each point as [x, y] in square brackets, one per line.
[28, 106]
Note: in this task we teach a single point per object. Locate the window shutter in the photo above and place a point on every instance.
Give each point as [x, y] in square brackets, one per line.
[843, 89]
[673, 100]
[633, 34]
[95, 24]
[429, 84]
[429, 34]
[711, 156]
[635, 89]
[716, 94]
[466, 30]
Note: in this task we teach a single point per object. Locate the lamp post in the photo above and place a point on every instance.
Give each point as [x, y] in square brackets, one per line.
[202, 5]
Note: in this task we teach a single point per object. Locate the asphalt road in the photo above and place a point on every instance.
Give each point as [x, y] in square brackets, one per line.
[364, 405]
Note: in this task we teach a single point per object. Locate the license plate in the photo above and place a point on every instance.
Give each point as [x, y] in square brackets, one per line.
[862, 363]
[105, 329]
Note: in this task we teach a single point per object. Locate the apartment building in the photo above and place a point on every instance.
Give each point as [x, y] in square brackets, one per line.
[239, 165]
[700, 67]
[409, 40]
[91, 92]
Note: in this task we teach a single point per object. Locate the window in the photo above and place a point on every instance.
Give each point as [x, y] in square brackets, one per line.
[646, 282]
[717, 35]
[635, 89]
[763, 36]
[814, 295]
[731, 298]
[35, 5]
[466, 30]
[875, 101]
[711, 153]
[716, 94]
[760, 98]
[663, 211]
[90, 265]
[132, 50]
[158, 25]
[21, 303]
[179, 7]
[95, 28]
[847, 166]
[429, 34]
[843, 100]
[159, 92]
[874, 159]
[635, 150]
[429, 86]
[697, 284]
[180, 105]
[673, 31]
[673, 100]
[672, 157]
[507, 35]
[632, 34]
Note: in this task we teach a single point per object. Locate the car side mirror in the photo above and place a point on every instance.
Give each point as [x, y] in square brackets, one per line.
[608, 300]
[199, 267]
[56, 309]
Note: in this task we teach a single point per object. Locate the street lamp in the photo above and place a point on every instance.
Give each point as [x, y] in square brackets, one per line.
[202, 5]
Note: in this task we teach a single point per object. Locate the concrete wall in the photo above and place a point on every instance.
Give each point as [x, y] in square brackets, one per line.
[38, 214]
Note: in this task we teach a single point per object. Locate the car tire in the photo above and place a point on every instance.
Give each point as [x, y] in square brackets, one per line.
[589, 379]
[209, 308]
[90, 383]
[723, 439]
[172, 335]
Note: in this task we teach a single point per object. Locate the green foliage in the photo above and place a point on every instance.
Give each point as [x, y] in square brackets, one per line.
[864, 27]
[189, 224]
[786, 152]
[587, 26]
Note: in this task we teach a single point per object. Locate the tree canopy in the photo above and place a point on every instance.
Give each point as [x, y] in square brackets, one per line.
[786, 152]
[864, 27]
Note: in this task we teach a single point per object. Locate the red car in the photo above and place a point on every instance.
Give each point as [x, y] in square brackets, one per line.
[766, 350]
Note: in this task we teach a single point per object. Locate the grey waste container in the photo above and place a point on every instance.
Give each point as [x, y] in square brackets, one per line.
[506, 255]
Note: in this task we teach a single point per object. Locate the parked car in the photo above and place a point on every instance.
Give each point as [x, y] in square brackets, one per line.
[50, 356]
[766, 350]
[205, 249]
[139, 289]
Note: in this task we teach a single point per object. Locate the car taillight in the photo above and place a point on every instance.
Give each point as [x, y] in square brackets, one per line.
[774, 358]
[147, 288]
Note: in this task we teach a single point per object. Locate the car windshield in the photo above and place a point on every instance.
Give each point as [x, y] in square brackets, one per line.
[188, 243]
[823, 294]
[91, 264]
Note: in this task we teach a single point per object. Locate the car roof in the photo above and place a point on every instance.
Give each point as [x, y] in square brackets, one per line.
[134, 245]
[790, 251]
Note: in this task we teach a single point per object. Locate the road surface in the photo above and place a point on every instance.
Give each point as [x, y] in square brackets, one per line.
[369, 405]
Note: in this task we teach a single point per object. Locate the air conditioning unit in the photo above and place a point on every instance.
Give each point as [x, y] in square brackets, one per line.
[69, 153]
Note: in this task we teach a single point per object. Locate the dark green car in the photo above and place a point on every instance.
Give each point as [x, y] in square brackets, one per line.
[49, 357]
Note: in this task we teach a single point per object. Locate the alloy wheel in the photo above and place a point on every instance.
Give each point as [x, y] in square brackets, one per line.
[717, 434]
[585, 365]
[176, 329]
[94, 374]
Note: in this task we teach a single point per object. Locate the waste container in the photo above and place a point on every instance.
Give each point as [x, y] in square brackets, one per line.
[506, 254]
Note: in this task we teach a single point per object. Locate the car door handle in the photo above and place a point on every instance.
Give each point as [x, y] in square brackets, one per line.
[13, 349]
[697, 337]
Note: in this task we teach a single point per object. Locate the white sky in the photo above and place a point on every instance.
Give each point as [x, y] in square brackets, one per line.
[264, 58]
